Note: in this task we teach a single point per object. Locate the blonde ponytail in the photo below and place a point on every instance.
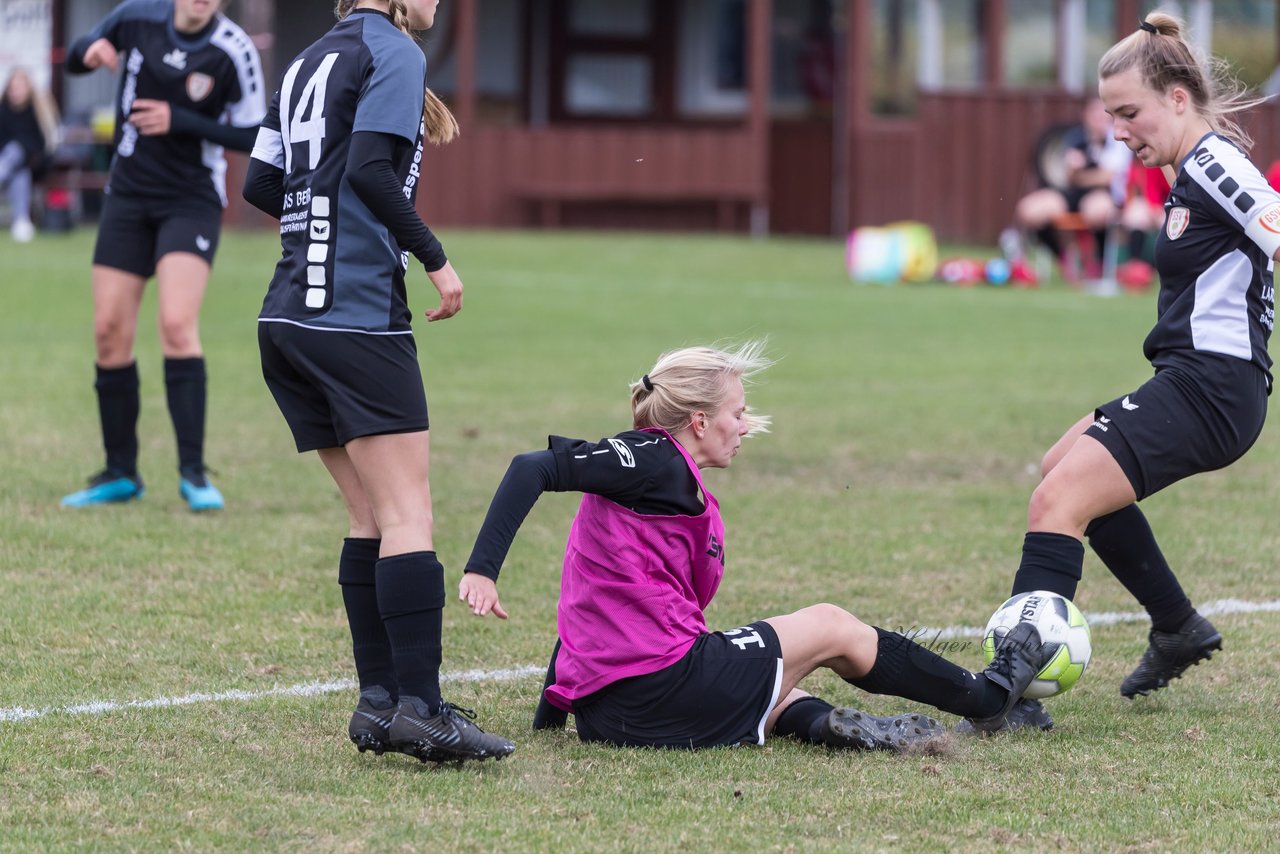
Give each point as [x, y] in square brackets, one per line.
[1164, 58]
[696, 379]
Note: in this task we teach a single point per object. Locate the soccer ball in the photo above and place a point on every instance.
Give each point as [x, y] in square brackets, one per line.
[1063, 631]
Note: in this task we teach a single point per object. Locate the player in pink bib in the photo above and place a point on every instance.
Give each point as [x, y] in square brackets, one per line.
[635, 662]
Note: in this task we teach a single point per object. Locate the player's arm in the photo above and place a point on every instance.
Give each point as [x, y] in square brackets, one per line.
[374, 180]
[264, 179]
[190, 123]
[568, 465]
[236, 128]
[99, 47]
[1263, 225]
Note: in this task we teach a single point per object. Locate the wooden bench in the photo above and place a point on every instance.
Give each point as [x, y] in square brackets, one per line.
[1079, 261]
[548, 200]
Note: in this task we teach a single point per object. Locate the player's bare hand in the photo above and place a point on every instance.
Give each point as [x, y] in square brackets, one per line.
[481, 595]
[102, 54]
[151, 117]
[449, 285]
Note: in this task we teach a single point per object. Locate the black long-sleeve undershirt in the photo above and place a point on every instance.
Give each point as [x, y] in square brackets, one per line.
[264, 187]
[371, 175]
[643, 472]
[184, 121]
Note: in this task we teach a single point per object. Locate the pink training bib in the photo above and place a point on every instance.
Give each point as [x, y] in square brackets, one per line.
[633, 590]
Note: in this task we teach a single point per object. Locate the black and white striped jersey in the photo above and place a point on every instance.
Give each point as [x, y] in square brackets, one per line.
[215, 72]
[1222, 227]
[341, 268]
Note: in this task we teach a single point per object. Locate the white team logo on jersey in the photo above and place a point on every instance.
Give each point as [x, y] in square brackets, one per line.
[1270, 218]
[199, 86]
[1179, 218]
[624, 454]
[176, 59]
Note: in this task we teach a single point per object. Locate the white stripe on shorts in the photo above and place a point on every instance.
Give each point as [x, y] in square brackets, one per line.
[773, 701]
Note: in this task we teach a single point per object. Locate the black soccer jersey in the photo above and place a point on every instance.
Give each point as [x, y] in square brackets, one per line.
[643, 472]
[215, 73]
[341, 268]
[1222, 226]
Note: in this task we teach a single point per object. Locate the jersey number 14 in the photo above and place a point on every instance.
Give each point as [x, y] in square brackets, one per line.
[305, 122]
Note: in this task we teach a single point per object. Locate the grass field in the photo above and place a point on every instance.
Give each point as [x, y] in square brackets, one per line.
[908, 424]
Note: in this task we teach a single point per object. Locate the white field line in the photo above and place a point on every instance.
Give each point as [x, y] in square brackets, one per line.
[921, 634]
[306, 689]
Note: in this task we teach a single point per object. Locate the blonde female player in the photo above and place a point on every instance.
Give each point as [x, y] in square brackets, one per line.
[636, 663]
[1205, 405]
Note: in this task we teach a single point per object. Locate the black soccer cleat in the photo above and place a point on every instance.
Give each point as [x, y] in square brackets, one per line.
[1169, 654]
[1019, 657]
[449, 736]
[371, 721]
[1025, 714]
[850, 729]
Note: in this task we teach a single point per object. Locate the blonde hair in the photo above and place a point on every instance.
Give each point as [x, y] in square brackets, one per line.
[696, 379]
[42, 104]
[1165, 59]
[440, 124]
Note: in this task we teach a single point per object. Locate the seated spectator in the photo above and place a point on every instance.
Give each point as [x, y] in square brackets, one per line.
[28, 133]
[1143, 212]
[1090, 180]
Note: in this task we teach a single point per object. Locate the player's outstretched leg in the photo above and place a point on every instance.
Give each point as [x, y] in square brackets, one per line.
[1019, 657]
[450, 735]
[851, 729]
[1169, 654]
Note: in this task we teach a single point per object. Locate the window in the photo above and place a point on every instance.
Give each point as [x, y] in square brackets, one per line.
[895, 47]
[1244, 35]
[608, 85]
[804, 57]
[1100, 23]
[1029, 53]
[712, 58]
[605, 59]
[951, 39]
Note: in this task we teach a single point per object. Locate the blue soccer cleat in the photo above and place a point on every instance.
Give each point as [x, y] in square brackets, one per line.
[199, 493]
[107, 487]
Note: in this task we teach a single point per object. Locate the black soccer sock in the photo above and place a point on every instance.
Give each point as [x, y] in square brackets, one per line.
[357, 573]
[185, 385]
[1100, 245]
[903, 668]
[1124, 542]
[1048, 235]
[1137, 245]
[118, 407]
[803, 719]
[1052, 562]
[411, 601]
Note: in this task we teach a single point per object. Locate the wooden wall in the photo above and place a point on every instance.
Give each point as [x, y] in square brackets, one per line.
[959, 165]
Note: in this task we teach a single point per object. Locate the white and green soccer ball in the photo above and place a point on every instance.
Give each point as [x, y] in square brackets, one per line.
[1063, 631]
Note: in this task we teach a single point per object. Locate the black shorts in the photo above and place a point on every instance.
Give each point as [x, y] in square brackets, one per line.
[720, 693]
[135, 233]
[333, 387]
[1200, 412]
